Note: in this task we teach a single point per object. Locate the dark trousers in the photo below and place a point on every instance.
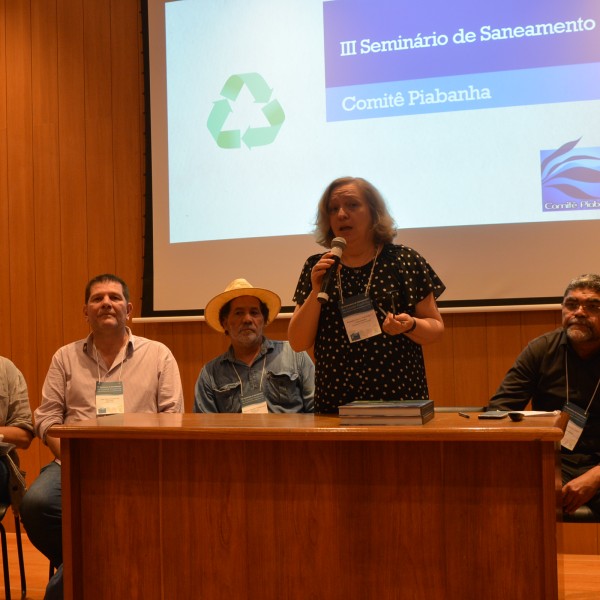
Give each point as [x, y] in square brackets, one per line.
[573, 466]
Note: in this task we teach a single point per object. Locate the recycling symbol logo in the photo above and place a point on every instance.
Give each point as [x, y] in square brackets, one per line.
[252, 136]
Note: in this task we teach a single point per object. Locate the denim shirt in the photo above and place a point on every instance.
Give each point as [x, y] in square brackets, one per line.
[288, 383]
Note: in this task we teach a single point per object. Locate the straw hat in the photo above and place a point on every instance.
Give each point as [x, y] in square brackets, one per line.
[237, 288]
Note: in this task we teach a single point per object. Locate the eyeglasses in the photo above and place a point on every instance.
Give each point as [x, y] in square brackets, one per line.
[591, 308]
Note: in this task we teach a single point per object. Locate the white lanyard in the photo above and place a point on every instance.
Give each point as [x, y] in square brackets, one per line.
[368, 286]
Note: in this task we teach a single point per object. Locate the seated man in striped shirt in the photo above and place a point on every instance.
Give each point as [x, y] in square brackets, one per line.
[110, 371]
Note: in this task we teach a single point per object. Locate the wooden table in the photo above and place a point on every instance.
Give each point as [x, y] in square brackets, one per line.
[282, 507]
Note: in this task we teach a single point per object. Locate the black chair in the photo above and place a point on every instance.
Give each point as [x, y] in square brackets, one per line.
[3, 510]
[16, 490]
[583, 514]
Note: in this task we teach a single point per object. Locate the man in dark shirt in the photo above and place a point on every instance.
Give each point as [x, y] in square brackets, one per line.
[561, 370]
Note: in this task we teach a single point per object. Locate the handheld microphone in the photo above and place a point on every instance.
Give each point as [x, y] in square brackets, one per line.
[338, 246]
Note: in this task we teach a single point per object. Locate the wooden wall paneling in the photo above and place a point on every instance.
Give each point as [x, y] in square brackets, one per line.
[6, 328]
[72, 148]
[536, 323]
[142, 111]
[440, 367]
[186, 345]
[213, 344]
[21, 284]
[470, 359]
[72, 269]
[46, 178]
[503, 345]
[126, 69]
[99, 138]
[46, 198]
[278, 329]
[161, 332]
[5, 306]
[557, 318]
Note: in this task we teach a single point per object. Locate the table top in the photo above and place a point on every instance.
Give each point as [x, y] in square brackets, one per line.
[447, 426]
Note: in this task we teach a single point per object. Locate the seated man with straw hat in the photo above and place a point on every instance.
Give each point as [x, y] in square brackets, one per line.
[256, 374]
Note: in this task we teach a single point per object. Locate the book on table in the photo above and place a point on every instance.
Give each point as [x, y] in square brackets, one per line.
[405, 408]
[386, 412]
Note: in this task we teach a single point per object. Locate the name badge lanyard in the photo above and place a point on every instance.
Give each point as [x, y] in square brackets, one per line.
[255, 403]
[109, 394]
[577, 416]
[358, 314]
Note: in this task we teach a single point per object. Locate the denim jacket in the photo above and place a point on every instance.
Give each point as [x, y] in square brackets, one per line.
[285, 378]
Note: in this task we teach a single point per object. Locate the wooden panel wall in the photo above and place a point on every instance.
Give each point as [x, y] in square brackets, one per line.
[71, 204]
[71, 170]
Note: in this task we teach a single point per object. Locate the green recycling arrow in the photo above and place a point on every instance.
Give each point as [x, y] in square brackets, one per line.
[262, 136]
[225, 139]
[253, 136]
[257, 86]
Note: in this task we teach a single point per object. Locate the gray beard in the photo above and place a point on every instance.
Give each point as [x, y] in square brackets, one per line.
[579, 335]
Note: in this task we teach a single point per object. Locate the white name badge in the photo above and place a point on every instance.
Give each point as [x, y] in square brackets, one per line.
[109, 398]
[255, 404]
[359, 318]
[577, 420]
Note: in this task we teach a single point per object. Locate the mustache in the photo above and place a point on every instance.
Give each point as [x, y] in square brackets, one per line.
[577, 321]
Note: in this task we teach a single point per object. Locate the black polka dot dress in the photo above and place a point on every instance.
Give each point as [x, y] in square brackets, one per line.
[383, 367]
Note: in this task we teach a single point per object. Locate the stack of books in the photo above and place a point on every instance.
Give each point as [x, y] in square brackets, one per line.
[386, 412]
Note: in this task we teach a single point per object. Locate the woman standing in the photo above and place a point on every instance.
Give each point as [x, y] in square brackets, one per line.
[384, 301]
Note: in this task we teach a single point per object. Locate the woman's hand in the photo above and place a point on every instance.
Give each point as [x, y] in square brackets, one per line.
[302, 330]
[397, 324]
[427, 321]
[319, 270]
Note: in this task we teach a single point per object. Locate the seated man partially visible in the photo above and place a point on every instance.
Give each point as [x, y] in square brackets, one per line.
[256, 374]
[16, 424]
[561, 370]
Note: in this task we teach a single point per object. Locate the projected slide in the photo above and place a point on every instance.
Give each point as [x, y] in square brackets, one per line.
[479, 122]
[462, 113]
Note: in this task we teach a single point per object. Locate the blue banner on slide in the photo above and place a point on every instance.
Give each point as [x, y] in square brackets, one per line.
[467, 92]
[385, 58]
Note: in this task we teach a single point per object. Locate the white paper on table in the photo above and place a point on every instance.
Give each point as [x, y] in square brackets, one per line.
[538, 413]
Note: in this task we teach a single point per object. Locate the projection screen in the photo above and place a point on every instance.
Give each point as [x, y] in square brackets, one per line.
[478, 121]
